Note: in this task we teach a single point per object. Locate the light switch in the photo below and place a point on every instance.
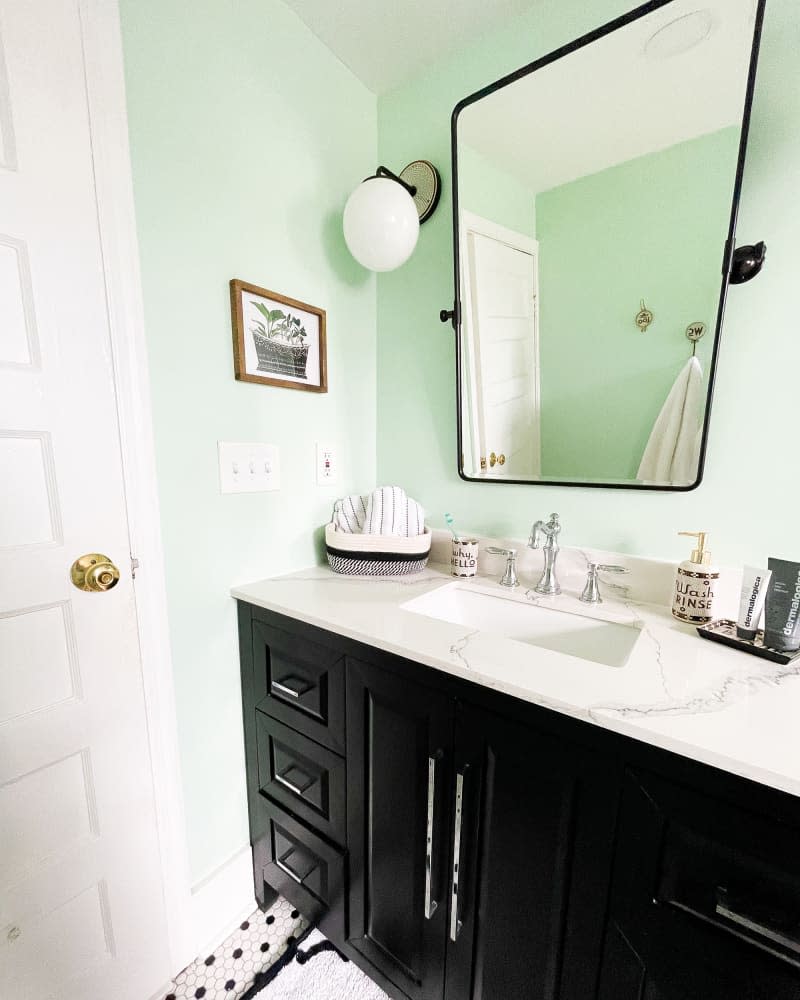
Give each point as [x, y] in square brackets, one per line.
[248, 468]
[326, 465]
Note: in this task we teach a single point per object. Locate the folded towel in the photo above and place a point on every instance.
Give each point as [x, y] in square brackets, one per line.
[349, 514]
[673, 450]
[386, 511]
[390, 511]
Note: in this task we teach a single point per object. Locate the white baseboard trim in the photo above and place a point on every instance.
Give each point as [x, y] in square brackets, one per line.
[221, 900]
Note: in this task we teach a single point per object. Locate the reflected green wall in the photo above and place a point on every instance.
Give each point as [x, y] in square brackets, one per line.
[748, 498]
[652, 228]
[494, 194]
[247, 135]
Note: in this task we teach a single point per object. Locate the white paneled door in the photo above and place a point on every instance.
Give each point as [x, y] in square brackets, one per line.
[500, 320]
[82, 914]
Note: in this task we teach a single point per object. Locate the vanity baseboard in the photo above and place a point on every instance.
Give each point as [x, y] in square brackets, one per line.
[590, 864]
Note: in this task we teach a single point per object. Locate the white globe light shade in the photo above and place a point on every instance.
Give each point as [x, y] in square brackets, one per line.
[381, 224]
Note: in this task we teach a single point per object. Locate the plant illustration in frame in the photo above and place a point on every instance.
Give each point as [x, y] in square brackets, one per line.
[277, 340]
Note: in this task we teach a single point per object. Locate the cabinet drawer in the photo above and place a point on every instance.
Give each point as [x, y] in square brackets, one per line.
[302, 776]
[299, 683]
[300, 866]
[709, 867]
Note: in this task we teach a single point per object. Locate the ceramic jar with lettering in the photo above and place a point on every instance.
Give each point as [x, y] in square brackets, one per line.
[464, 557]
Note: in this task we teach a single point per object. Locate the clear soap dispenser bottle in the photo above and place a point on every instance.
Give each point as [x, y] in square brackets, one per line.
[694, 584]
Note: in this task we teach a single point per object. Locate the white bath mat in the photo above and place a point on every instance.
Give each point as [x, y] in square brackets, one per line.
[318, 972]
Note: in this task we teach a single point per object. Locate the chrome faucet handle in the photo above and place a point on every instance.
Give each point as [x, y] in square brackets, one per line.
[549, 529]
[591, 592]
[509, 578]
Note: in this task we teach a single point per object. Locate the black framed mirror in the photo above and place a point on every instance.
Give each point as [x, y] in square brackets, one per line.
[595, 195]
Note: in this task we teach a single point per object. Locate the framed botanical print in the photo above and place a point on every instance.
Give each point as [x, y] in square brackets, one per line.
[277, 340]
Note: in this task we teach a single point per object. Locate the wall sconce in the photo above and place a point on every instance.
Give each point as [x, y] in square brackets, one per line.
[383, 215]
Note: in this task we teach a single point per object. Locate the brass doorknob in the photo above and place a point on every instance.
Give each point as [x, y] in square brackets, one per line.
[94, 572]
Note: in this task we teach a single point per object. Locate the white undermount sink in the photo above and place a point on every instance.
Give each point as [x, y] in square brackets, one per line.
[609, 643]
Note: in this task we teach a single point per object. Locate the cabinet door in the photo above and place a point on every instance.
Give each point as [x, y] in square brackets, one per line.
[399, 739]
[705, 900]
[532, 862]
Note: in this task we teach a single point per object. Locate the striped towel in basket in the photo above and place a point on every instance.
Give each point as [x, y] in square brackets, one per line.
[386, 511]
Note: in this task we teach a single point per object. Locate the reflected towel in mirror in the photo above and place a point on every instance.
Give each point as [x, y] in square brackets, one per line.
[673, 449]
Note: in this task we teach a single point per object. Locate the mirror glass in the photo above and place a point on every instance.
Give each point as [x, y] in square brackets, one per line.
[594, 195]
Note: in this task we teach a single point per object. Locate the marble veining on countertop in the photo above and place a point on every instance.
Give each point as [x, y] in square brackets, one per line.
[676, 691]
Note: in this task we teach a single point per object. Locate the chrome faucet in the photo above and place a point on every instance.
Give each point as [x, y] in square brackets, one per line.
[548, 583]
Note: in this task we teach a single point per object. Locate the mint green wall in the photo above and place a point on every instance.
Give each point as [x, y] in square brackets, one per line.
[653, 228]
[247, 135]
[748, 499]
[494, 194]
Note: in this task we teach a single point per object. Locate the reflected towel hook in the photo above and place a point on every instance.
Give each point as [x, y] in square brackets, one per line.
[694, 332]
[644, 317]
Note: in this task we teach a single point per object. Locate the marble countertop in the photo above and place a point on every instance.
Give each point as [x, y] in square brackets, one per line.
[677, 691]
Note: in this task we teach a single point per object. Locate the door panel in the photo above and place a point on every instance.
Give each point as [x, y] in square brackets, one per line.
[536, 845]
[395, 730]
[81, 902]
[706, 894]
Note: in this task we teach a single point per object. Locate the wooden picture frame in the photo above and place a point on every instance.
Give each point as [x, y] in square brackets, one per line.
[277, 340]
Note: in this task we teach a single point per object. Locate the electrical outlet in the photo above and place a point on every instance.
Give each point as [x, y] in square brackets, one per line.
[326, 465]
[248, 468]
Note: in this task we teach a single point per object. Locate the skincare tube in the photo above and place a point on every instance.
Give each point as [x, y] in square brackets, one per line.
[782, 631]
[754, 592]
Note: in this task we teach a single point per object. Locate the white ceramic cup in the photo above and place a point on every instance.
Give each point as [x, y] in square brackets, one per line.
[464, 557]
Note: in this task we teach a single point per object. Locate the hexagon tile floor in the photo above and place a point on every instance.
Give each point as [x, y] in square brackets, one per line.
[254, 946]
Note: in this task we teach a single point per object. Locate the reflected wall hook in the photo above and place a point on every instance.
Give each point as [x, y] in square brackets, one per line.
[644, 317]
[694, 332]
[746, 262]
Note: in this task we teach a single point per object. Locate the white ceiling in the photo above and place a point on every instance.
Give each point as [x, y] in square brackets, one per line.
[385, 43]
[613, 101]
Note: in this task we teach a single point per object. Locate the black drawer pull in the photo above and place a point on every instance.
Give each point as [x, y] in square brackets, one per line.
[294, 690]
[727, 907]
[297, 789]
[284, 866]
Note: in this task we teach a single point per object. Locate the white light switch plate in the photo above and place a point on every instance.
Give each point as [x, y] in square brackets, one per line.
[248, 468]
[327, 467]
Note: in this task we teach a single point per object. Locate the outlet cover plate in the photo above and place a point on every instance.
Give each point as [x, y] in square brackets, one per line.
[327, 465]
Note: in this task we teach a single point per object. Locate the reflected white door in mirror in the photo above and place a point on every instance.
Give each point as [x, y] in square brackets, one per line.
[500, 363]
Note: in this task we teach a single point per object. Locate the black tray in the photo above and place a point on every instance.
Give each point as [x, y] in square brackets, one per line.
[724, 631]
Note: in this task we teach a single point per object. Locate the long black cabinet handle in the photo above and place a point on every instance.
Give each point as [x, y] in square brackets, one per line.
[455, 923]
[727, 908]
[430, 903]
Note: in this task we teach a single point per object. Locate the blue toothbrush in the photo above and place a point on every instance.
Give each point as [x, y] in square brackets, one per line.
[448, 520]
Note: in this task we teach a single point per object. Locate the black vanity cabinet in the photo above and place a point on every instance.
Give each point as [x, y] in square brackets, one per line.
[458, 844]
[480, 847]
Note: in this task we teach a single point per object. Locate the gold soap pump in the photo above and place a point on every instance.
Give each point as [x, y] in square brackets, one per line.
[694, 584]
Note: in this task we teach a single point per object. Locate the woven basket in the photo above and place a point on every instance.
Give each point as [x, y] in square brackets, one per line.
[376, 555]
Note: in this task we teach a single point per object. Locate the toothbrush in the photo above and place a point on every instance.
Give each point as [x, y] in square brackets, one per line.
[448, 520]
